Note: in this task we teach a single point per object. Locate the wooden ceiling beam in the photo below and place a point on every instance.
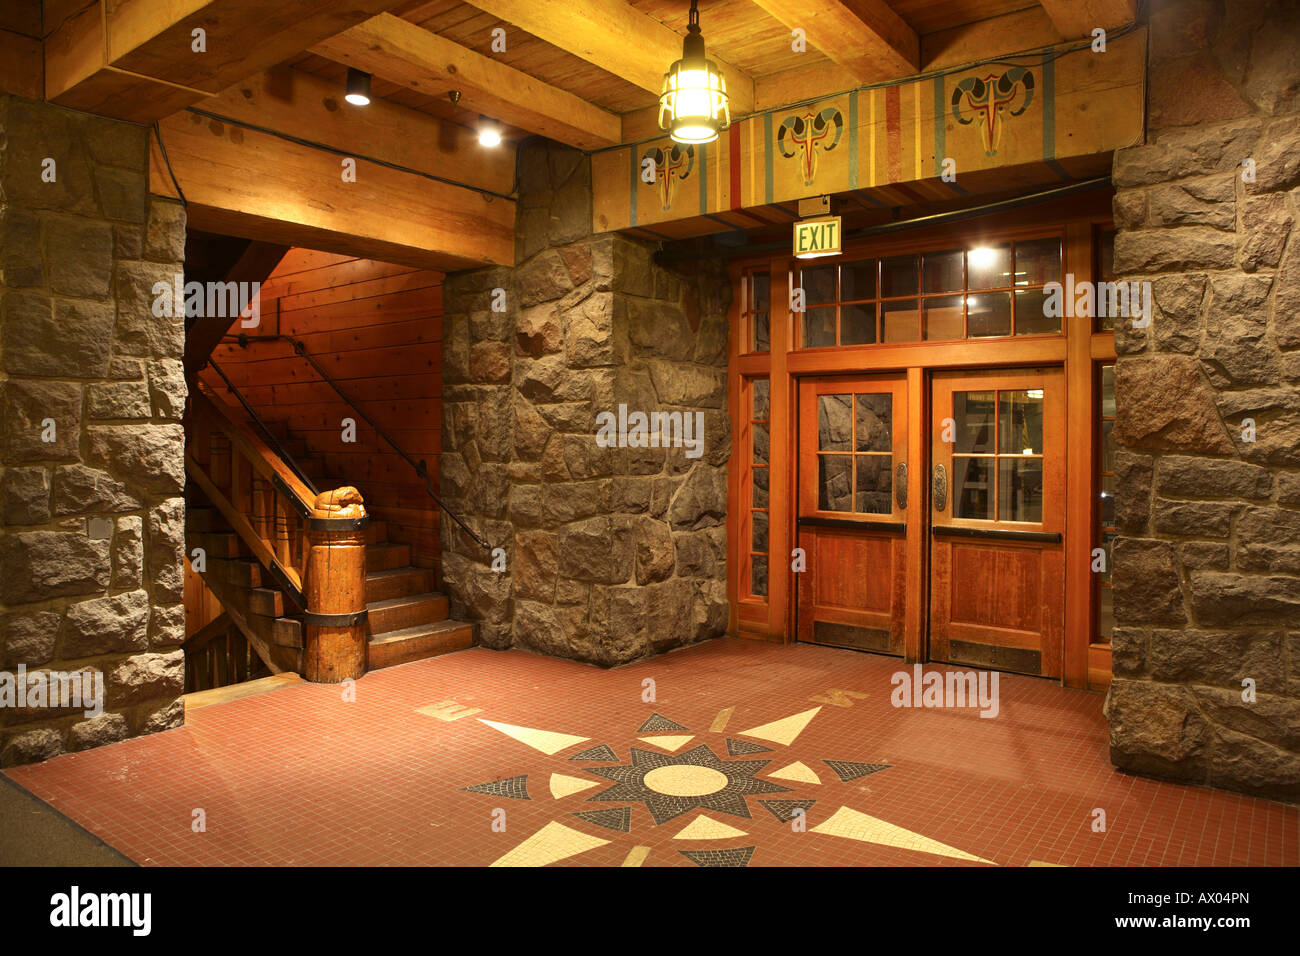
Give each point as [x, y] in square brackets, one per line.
[616, 37]
[303, 105]
[246, 183]
[1078, 18]
[866, 37]
[135, 59]
[403, 53]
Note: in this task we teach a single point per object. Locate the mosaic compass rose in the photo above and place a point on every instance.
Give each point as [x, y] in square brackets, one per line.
[672, 784]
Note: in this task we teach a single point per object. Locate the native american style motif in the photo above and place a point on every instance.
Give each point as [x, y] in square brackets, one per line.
[806, 134]
[989, 97]
[671, 165]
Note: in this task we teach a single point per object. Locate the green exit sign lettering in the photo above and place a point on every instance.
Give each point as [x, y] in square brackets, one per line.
[817, 237]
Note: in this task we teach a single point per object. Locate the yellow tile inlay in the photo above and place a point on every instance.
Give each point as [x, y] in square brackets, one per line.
[853, 825]
[796, 771]
[448, 710]
[1041, 863]
[668, 742]
[783, 731]
[707, 828]
[563, 786]
[551, 843]
[548, 742]
[720, 722]
[679, 780]
[636, 856]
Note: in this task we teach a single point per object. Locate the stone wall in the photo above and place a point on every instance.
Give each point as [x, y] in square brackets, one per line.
[612, 553]
[1207, 564]
[91, 447]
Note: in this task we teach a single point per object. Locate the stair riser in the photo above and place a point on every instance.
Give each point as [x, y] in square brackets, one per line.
[408, 615]
[391, 653]
[417, 581]
[387, 557]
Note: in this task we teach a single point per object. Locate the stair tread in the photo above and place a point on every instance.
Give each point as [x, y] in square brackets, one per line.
[403, 599]
[385, 573]
[419, 630]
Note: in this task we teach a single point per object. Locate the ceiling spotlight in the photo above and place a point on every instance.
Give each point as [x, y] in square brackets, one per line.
[358, 93]
[693, 106]
[489, 132]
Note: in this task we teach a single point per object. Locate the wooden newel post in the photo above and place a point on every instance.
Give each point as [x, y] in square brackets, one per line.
[335, 588]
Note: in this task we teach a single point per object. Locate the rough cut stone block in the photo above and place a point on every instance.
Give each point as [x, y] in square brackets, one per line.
[118, 400]
[105, 625]
[148, 457]
[1193, 518]
[45, 564]
[1168, 250]
[79, 253]
[1182, 476]
[78, 489]
[164, 239]
[1165, 403]
[1154, 729]
[1205, 201]
[1238, 599]
[28, 637]
[146, 677]
[104, 729]
[27, 406]
[26, 496]
[30, 746]
[167, 388]
[1266, 224]
[1187, 152]
[1146, 585]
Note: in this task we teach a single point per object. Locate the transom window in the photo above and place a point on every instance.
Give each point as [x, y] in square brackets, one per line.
[983, 291]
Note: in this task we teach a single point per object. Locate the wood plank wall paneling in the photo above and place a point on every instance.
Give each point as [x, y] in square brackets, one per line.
[201, 606]
[377, 329]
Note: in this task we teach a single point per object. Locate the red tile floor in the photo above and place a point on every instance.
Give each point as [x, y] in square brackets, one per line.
[299, 776]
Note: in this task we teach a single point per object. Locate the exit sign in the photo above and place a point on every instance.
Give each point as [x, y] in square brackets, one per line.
[817, 237]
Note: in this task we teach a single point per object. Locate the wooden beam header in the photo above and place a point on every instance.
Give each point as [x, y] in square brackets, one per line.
[1055, 106]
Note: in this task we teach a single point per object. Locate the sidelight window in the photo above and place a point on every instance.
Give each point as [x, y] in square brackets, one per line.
[759, 404]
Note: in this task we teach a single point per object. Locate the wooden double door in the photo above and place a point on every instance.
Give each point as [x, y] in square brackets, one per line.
[978, 522]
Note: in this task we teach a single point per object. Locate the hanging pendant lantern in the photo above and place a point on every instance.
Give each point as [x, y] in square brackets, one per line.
[693, 107]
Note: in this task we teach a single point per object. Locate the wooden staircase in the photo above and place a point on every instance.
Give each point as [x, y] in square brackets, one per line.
[406, 617]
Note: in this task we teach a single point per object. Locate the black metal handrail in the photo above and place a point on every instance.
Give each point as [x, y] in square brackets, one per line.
[421, 468]
[280, 450]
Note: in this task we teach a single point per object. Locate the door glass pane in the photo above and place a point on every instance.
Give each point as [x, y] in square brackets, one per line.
[973, 413]
[1108, 391]
[898, 276]
[875, 484]
[1020, 489]
[758, 576]
[858, 280]
[858, 324]
[819, 285]
[834, 422]
[760, 444]
[875, 422]
[760, 400]
[762, 332]
[760, 531]
[1038, 261]
[760, 487]
[988, 314]
[1031, 317]
[1020, 422]
[989, 267]
[834, 492]
[900, 320]
[941, 271]
[943, 318]
[972, 488]
[819, 328]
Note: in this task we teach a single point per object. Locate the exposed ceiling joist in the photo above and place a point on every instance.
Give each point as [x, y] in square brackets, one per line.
[310, 108]
[616, 37]
[1078, 18]
[403, 53]
[140, 59]
[866, 37]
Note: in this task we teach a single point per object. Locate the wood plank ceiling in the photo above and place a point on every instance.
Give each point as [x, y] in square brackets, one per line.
[762, 68]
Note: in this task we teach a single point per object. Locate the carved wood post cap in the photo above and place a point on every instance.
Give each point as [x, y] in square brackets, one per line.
[345, 502]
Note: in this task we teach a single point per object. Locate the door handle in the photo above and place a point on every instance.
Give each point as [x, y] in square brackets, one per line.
[939, 487]
[900, 484]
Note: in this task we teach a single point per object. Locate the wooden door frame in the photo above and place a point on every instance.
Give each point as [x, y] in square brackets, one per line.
[1078, 349]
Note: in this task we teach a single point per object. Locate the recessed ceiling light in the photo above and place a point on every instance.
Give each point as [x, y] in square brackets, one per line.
[489, 132]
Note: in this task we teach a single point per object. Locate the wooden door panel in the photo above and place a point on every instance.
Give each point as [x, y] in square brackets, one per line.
[853, 593]
[997, 580]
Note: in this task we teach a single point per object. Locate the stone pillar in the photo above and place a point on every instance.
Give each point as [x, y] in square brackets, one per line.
[1207, 565]
[92, 449]
[612, 553]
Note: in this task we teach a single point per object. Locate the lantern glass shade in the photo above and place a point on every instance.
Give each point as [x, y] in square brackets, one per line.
[693, 106]
[358, 89]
